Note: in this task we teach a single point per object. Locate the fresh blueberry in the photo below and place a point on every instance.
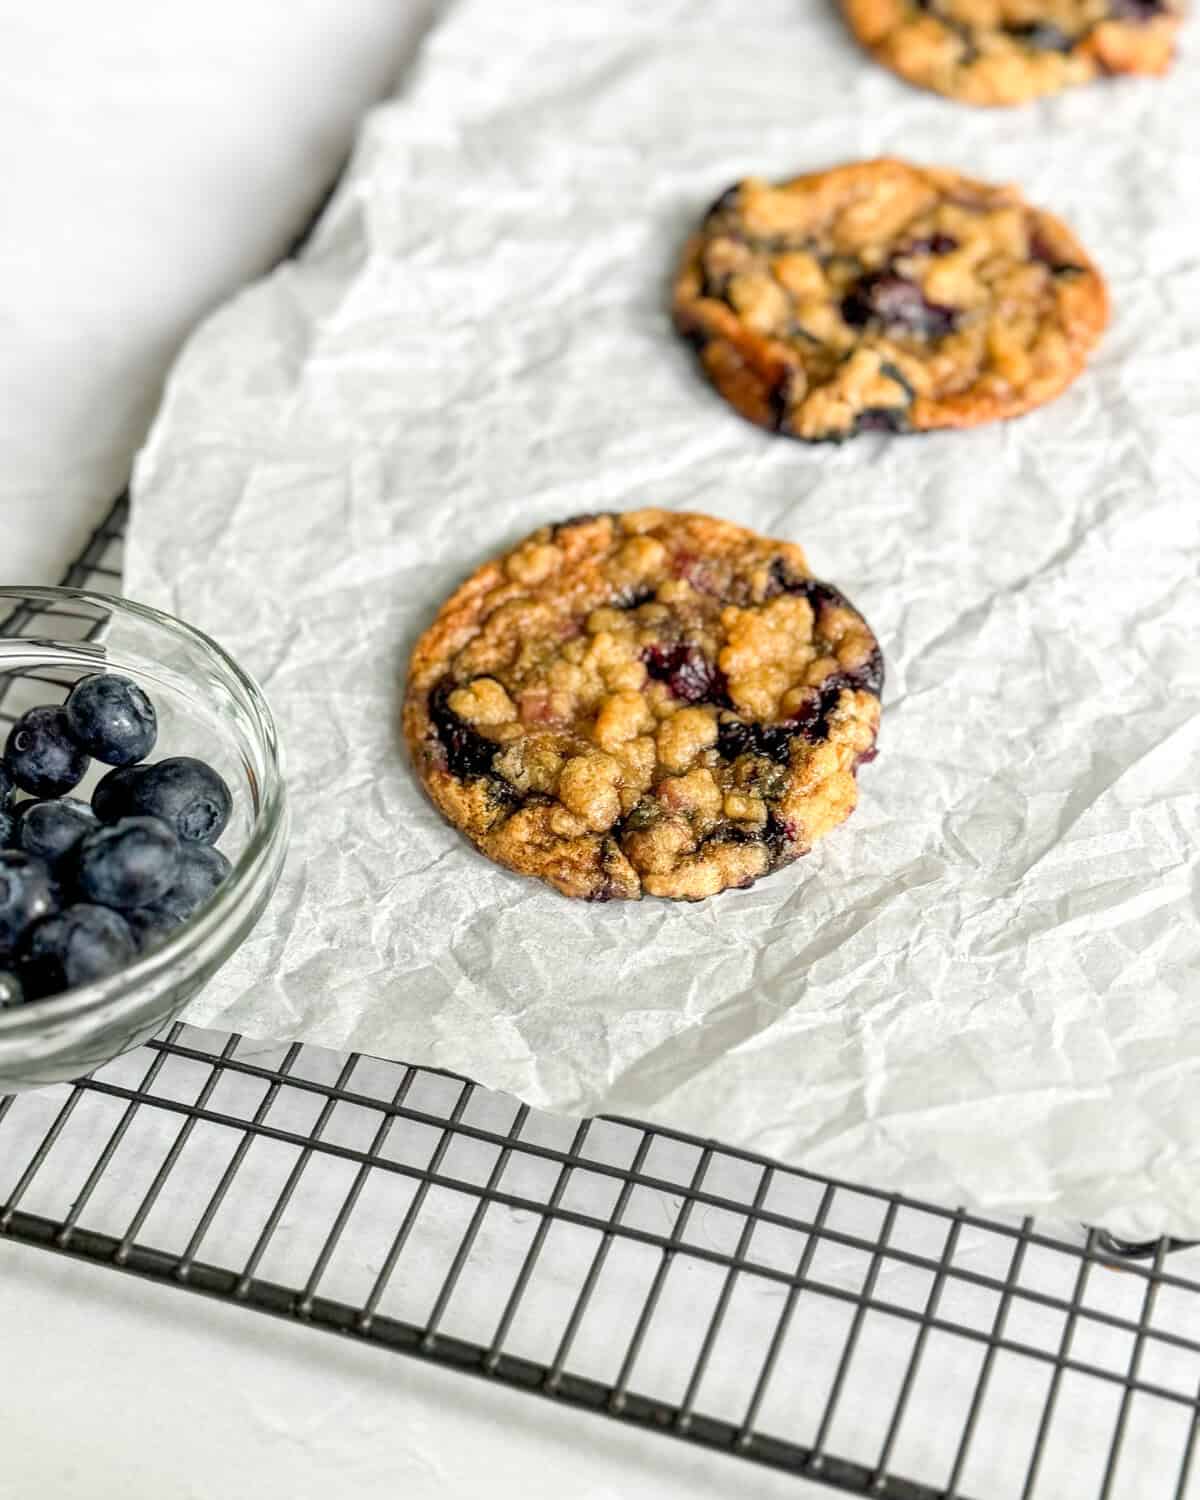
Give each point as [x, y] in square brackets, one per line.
[41, 756]
[78, 945]
[130, 863]
[151, 925]
[112, 719]
[187, 794]
[689, 674]
[201, 870]
[896, 302]
[9, 829]
[52, 829]
[12, 993]
[27, 894]
[113, 795]
[7, 788]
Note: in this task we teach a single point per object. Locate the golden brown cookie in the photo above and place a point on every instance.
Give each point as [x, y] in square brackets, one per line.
[644, 703]
[881, 295]
[1010, 51]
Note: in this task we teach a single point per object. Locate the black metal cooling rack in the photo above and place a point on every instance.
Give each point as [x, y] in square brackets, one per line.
[838, 1333]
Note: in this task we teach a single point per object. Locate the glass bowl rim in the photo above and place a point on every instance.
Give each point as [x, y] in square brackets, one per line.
[197, 937]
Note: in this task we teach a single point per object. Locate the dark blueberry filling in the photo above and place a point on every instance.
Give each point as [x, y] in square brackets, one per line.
[467, 752]
[639, 817]
[869, 678]
[776, 835]
[736, 833]
[960, 29]
[690, 675]
[1042, 36]
[1136, 10]
[896, 302]
[1040, 251]
[779, 834]
[715, 286]
[810, 722]
[728, 199]
[930, 244]
[632, 597]
[610, 855]
[772, 741]
[781, 580]
[882, 419]
[780, 400]
[894, 372]
[581, 519]
[888, 418]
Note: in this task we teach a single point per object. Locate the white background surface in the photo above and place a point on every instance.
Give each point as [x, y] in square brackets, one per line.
[153, 158]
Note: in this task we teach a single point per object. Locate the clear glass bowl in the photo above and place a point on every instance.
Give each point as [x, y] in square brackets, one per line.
[207, 707]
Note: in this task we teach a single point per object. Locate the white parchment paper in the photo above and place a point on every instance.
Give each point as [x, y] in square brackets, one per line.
[985, 987]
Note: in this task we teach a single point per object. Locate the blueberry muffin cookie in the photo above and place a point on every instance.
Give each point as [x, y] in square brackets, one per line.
[1010, 51]
[644, 703]
[881, 295]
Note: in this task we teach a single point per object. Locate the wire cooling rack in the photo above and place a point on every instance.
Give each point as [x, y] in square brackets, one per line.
[874, 1344]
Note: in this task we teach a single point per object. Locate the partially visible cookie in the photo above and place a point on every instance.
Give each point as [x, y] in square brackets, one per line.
[647, 703]
[1010, 51]
[881, 295]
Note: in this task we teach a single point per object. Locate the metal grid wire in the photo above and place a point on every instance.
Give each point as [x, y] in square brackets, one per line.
[876, 1344]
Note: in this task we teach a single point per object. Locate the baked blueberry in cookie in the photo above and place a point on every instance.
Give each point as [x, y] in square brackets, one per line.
[881, 296]
[1010, 51]
[644, 703]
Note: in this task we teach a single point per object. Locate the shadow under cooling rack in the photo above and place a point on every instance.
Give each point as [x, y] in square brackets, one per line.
[875, 1344]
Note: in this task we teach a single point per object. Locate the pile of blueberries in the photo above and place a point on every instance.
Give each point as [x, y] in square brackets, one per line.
[85, 889]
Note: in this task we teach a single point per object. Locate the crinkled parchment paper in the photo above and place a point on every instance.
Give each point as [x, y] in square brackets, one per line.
[985, 987]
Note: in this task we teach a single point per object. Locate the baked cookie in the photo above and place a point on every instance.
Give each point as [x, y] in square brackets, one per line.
[881, 295]
[644, 703]
[1010, 51]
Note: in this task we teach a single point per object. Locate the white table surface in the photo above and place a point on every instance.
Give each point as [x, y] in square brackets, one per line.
[154, 158]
